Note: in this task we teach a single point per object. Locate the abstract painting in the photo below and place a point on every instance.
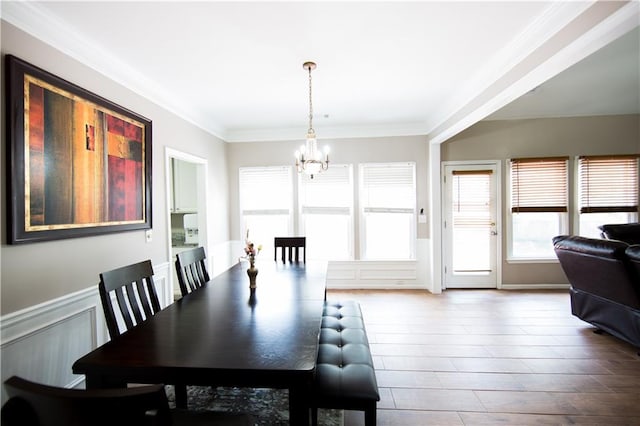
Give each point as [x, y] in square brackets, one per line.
[79, 164]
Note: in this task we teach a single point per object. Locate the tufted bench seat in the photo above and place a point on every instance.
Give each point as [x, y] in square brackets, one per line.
[345, 376]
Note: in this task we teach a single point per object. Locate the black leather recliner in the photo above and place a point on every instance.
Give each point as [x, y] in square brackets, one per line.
[605, 283]
[627, 232]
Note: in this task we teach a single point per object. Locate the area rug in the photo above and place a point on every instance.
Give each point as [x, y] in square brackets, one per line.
[270, 407]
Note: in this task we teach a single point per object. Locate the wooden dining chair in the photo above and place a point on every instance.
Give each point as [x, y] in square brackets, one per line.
[125, 283]
[191, 269]
[35, 404]
[137, 300]
[292, 245]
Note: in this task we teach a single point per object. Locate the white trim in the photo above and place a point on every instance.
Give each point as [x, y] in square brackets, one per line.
[535, 286]
[42, 342]
[204, 207]
[525, 260]
[435, 227]
[29, 320]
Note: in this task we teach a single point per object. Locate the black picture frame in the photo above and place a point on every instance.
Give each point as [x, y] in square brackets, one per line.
[77, 164]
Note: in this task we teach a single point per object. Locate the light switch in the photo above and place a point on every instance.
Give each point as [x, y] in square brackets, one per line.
[148, 235]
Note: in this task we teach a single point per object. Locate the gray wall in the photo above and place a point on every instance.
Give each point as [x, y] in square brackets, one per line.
[36, 272]
[343, 151]
[501, 140]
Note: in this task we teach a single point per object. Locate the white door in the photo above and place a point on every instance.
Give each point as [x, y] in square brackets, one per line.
[470, 228]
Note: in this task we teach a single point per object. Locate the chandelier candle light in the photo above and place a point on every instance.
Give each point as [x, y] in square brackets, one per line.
[308, 158]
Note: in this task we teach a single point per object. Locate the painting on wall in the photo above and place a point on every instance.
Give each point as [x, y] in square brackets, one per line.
[78, 164]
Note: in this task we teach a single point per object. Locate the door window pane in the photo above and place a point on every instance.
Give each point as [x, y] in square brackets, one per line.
[472, 221]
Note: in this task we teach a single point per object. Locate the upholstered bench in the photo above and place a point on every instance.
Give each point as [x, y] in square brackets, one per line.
[345, 376]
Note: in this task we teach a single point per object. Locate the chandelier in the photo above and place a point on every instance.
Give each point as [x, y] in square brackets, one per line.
[308, 159]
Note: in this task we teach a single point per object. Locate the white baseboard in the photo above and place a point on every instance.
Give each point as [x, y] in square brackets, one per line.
[534, 287]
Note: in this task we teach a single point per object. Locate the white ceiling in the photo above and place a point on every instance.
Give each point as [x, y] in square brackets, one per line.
[384, 68]
[604, 83]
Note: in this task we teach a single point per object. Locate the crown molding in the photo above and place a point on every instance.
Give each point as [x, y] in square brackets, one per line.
[35, 19]
[325, 133]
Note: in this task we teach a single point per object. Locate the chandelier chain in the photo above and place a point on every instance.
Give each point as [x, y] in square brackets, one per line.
[310, 105]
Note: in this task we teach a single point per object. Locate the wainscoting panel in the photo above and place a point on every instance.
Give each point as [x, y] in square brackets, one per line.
[42, 342]
[374, 275]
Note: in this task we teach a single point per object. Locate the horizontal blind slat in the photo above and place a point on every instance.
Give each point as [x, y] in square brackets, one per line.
[539, 185]
[388, 185]
[608, 183]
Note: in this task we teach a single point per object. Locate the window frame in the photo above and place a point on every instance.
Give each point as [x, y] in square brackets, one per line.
[577, 188]
[563, 217]
[340, 211]
[362, 210]
[266, 212]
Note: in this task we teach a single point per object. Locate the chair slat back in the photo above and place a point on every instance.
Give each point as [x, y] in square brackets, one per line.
[34, 404]
[191, 269]
[292, 245]
[134, 291]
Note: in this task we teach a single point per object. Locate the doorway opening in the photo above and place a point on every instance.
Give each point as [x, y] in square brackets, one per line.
[187, 207]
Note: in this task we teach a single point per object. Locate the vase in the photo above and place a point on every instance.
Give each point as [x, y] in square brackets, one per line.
[252, 272]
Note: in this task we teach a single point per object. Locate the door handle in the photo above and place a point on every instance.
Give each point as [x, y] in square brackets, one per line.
[494, 232]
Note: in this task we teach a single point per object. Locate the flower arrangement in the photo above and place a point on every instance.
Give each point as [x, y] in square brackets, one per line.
[250, 250]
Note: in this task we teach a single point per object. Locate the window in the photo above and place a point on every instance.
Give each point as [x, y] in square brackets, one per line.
[608, 191]
[266, 204]
[326, 213]
[387, 211]
[539, 206]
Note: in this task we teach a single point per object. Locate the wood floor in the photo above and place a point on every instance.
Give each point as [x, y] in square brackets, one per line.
[486, 357]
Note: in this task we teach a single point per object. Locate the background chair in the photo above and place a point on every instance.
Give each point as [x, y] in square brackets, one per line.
[290, 244]
[126, 282]
[34, 404]
[191, 270]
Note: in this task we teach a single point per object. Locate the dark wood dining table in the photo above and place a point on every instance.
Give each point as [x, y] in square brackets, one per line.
[225, 334]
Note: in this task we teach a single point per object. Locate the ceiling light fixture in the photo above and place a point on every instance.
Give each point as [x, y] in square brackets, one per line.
[308, 159]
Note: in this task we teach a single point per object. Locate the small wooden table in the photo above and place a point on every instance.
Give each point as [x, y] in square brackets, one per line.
[223, 334]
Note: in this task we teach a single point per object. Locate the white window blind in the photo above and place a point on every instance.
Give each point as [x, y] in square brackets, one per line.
[388, 186]
[539, 185]
[265, 189]
[471, 196]
[608, 183]
[387, 205]
[326, 213]
[331, 191]
[266, 204]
